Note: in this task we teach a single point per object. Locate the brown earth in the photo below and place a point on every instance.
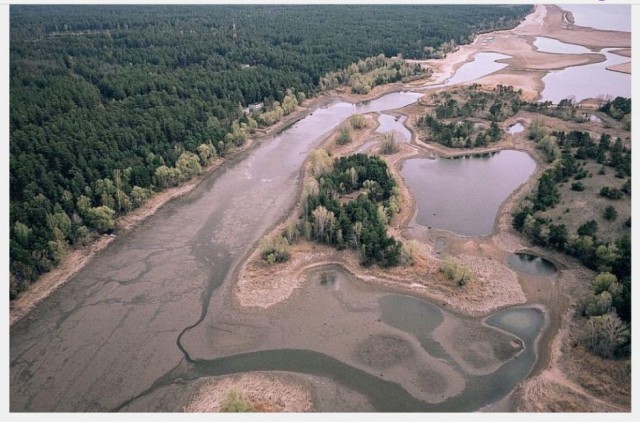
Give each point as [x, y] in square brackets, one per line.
[265, 391]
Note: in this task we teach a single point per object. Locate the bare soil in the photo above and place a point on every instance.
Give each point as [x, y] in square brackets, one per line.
[265, 391]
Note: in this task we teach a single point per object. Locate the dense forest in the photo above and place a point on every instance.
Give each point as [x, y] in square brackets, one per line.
[109, 104]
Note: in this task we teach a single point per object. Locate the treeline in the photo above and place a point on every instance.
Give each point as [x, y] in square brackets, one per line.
[109, 104]
[371, 72]
[620, 109]
[566, 109]
[347, 204]
[459, 134]
[612, 257]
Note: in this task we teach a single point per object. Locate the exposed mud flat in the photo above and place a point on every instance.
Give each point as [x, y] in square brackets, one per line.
[368, 327]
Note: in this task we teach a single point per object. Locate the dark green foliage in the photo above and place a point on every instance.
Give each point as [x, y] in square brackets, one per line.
[617, 108]
[339, 220]
[611, 193]
[584, 245]
[558, 236]
[520, 217]
[610, 213]
[495, 105]
[547, 195]
[577, 186]
[101, 97]
[590, 228]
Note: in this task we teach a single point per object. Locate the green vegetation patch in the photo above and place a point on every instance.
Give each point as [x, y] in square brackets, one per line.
[467, 117]
[581, 205]
[348, 204]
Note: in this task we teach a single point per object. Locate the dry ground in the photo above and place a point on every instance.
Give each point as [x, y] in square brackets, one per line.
[265, 391]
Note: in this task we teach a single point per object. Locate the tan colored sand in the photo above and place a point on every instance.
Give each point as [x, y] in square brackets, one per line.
[622, 67]
[261, 285]
[625, 52]
[528, 66]
[266, 391]
[554, 27]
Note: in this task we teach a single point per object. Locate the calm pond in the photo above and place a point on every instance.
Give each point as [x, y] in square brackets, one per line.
[531, 264]
[550, 45]
[395, 124]
[483, 64]
[516, 128]
[463, 194]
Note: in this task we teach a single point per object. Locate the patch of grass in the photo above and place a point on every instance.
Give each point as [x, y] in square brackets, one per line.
[235, 402]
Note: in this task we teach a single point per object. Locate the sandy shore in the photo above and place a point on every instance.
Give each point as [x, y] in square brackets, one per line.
[552, 25]
[622, 67]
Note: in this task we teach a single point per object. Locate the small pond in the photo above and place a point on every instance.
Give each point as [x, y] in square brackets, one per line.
[395, 124]
[463, 194]
[531, 264]
[550, 45]
[483, 64]
[515, 129]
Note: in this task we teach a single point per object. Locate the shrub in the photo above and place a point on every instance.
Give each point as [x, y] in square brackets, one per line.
[358, 121]
[610, 213]
[611, 193]
[235, 402]
[606, 335]
[389, 145]
[410, 253]
[274, 249]
[345, 136]
[577, 186]
[590, 228]
[454, 271]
